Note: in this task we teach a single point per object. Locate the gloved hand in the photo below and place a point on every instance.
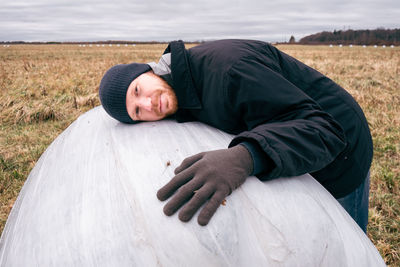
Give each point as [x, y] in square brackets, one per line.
[207, 176]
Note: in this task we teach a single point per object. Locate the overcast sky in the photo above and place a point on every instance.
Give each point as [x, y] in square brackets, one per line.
[166, 20]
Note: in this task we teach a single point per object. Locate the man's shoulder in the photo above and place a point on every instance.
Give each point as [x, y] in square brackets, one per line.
[230, 43]
[221, 55]
[225, 47]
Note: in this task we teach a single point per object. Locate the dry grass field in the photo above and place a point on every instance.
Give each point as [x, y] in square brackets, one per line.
[43, 88]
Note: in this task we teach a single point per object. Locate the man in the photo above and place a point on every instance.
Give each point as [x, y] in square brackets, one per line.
[288, 120]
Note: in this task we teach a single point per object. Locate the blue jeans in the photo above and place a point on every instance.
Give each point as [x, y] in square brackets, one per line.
[356, 204]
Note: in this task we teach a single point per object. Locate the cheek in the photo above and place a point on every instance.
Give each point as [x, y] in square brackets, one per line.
[173, 102]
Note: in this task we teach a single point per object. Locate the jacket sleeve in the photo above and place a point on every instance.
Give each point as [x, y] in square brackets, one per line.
[286, 123]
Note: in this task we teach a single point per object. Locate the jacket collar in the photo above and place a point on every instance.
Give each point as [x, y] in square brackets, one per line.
[181, 77]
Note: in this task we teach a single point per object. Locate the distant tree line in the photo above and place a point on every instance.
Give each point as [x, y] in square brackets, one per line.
[379, 36]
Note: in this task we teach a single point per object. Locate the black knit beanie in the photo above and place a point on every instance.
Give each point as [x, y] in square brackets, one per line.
[113, 88]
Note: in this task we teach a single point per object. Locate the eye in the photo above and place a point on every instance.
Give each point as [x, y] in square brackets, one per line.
[137, 111]
[136, 91]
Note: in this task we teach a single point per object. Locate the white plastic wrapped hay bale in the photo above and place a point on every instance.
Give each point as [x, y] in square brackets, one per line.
[91, 201]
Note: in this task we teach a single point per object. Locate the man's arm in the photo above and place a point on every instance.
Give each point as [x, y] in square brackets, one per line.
[289, 126]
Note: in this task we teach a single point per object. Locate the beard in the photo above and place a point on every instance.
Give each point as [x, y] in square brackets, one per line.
[172, 101]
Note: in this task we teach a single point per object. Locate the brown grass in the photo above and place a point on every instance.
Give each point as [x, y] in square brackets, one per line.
[44, 88]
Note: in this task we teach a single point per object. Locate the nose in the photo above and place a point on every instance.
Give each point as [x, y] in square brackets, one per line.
[145, 103]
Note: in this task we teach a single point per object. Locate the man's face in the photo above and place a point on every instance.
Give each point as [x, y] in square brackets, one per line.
[150, 98]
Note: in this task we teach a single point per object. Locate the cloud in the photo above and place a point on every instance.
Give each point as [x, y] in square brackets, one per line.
[274, 20]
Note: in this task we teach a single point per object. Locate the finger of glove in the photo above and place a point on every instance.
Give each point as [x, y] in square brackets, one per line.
[211, 207]
[199, 198]
[183, 195]
[187, 162]
[177, 181]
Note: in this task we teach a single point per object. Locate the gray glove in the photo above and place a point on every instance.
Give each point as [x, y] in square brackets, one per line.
[207, 176]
